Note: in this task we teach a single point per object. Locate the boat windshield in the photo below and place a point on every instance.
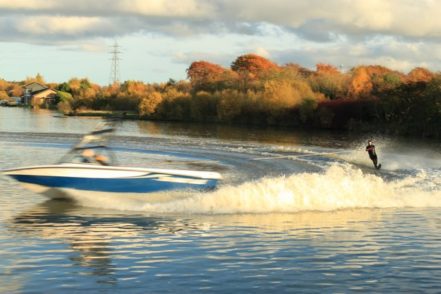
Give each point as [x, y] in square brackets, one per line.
[93, 147]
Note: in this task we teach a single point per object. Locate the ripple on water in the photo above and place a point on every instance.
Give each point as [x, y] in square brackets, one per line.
[52, 246]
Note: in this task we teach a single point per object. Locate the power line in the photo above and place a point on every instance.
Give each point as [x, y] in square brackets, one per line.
[114, 68]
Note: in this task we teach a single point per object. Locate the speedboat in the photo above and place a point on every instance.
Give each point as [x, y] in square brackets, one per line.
[89, 168]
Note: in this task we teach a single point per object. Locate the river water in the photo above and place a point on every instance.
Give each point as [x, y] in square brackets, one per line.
[295, 212]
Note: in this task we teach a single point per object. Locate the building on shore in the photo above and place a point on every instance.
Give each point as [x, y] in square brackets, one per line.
[38, 95]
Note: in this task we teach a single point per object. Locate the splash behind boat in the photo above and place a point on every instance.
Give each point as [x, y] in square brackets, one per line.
[89, 167]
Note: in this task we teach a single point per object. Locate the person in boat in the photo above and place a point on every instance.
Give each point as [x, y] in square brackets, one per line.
[101, 159]
[89, 156]
[370, 148]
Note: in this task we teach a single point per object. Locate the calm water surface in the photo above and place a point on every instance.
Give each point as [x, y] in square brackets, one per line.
[296, 212]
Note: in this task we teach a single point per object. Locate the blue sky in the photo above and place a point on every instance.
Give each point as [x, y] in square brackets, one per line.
[158, 39]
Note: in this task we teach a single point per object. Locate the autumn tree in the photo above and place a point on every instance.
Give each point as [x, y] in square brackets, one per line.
[3, 95]
[15, 90]
[135, 88]
[386, 81]
[230, 105]
[37, 79]
[3, 85]
[322, 68]
[65, 102]
[367, 80]
[149, 103]
[419, 74]
[175, 105]
[329, 81]
[252, 65]
[204, 72]
[414, 108]
[64, 87]
[282, 94]
[294, 71]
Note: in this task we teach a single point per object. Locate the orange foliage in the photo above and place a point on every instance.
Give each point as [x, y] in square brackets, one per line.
[204, 72]
[134, 88]
[361, 82]
[3, 95]
[292, 70]
[253, 64]
[3, 85]
[322, 68]
[15, 90]
[419, 74]
[37, 79]
[111, 90]
[149, 103]
[286, 94]
[365, 78]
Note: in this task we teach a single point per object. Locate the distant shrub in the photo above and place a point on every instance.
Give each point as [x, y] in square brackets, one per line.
[149, 103]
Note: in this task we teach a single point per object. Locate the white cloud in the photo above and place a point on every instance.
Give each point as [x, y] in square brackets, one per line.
[319, 20]
[397, 55]
[406, 18]
[182, 8]
[42, 25]
[27, 4]
[396, 33]
[262, 52]
[91, 46]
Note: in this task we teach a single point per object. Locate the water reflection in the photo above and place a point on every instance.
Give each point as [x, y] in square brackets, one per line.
[96, 234]
[56, 246]
[59, 219]
[259, 134]
[46, 121]
[115, 247]
[18, 119]
[88, 233]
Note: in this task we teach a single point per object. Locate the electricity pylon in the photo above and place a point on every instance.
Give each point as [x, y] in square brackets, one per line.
[114, 69]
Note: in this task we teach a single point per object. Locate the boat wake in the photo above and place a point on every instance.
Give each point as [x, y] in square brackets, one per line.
[340, 186]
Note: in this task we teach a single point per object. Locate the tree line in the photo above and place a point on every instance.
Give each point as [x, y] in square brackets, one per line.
[255, 90]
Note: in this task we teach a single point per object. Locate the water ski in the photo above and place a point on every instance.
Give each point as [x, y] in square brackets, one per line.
[378, 166]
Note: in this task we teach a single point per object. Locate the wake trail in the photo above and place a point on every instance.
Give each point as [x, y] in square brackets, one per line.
[339, 187]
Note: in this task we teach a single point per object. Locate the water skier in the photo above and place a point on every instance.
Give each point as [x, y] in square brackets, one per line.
[370, 148]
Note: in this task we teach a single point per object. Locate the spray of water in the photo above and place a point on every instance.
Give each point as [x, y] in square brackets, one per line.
[339, 187]
[393, 155]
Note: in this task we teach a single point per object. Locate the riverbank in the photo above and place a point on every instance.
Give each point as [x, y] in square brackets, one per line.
[256, 91]
[341, 124]
[105, 114]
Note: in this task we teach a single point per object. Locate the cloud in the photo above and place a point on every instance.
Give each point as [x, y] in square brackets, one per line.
[386, 51]
[352, 18]
[262, 52]
[43, 25]
[318, 20]
[187, 58]
[182, 8]
[90, 46]
[396, 33]
[189, 9]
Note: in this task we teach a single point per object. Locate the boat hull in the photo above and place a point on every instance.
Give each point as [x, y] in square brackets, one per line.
[67, 180]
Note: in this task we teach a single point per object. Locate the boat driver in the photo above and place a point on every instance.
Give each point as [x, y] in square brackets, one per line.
[89, 156]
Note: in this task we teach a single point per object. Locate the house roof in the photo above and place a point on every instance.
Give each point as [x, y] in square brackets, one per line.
[35, 87]
[44, 92]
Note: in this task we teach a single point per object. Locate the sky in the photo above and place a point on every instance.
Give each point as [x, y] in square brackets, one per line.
[158, 39]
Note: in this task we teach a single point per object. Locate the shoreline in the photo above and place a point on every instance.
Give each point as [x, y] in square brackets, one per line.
[363, 128]
[359, 128]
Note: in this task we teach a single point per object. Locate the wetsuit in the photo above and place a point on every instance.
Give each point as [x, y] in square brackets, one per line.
[372, 154]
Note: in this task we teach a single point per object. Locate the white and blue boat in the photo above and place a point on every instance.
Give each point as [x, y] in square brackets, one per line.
[86, 170]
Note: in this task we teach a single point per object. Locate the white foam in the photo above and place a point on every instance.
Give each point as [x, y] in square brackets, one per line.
[393, 156]
[339, 187]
